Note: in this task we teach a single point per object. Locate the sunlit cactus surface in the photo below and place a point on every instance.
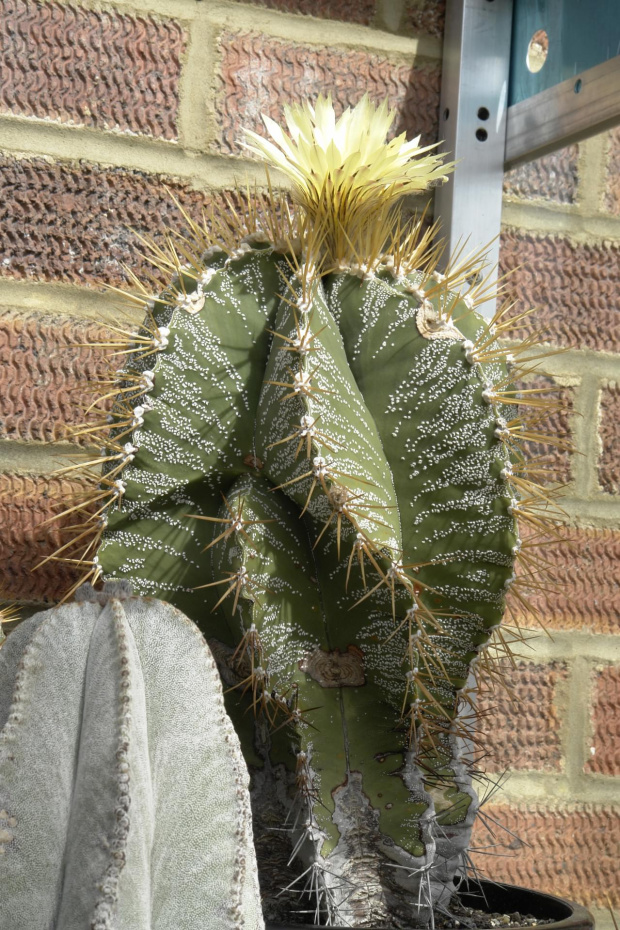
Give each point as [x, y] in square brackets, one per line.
[315, 450]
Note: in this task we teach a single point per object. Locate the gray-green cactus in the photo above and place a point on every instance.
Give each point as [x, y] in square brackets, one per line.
[123, 791]
[315, 453]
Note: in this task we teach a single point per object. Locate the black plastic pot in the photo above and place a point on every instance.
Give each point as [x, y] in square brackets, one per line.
[508, 899]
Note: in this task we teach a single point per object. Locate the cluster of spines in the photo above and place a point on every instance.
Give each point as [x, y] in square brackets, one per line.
[8, 616]
[109, 425]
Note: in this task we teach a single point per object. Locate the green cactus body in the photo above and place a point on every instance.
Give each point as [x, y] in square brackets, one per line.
[194, 427]
[317, 481]
[316, 462]
[440, 437]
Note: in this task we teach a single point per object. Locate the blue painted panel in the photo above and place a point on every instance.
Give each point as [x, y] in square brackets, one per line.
[582, 34]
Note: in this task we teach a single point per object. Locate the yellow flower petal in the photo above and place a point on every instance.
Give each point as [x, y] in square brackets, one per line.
[344, 168]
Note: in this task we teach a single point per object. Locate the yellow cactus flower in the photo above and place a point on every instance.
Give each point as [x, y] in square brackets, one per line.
[346, 176]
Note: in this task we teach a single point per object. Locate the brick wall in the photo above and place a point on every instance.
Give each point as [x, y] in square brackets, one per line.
[561, 243]
[100, 112]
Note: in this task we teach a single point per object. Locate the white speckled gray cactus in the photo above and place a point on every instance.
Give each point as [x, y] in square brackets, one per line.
[123, 791]
[316, 451]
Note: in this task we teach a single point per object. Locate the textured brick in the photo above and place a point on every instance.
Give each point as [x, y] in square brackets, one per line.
[521, 727]
[553, 178]
[348, 11]
[259, 74]
[586, 593]
[26, 502]
[609, 433]
[611, 197]
[574, 287]
[606, 723]
[102, 69]
[556, 461]
[427, 17]
[44, 374]
[72, 222]
[572, 851]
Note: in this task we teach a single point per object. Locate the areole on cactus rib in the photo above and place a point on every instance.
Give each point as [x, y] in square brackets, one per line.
[313, 455]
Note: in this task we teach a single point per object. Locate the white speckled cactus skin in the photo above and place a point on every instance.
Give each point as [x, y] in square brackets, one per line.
[123, 792]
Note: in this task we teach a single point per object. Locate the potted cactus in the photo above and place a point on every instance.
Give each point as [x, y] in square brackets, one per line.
[315, 447]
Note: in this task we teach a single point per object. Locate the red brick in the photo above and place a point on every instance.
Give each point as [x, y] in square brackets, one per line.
[572, 851]
[26, 502]
[535, 742]
[348, 11]
[102, 69]
[259, 74]
[574, 287]
[609, 433]
[427, 17]
[586, 590]
[553, 178]
[556, 461]
[44, 373]
[73, 222]
[606, 723]
[611, 198]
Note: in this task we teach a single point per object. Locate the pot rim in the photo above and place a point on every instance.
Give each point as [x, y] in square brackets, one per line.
[575, 917]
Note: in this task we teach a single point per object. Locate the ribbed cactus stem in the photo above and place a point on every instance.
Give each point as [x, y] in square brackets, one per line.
[122, 786]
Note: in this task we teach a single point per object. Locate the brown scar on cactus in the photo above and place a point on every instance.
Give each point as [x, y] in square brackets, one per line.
[335, 669]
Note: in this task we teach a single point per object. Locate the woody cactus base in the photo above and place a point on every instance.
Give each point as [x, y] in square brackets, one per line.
[315, 450]
[123, 791]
